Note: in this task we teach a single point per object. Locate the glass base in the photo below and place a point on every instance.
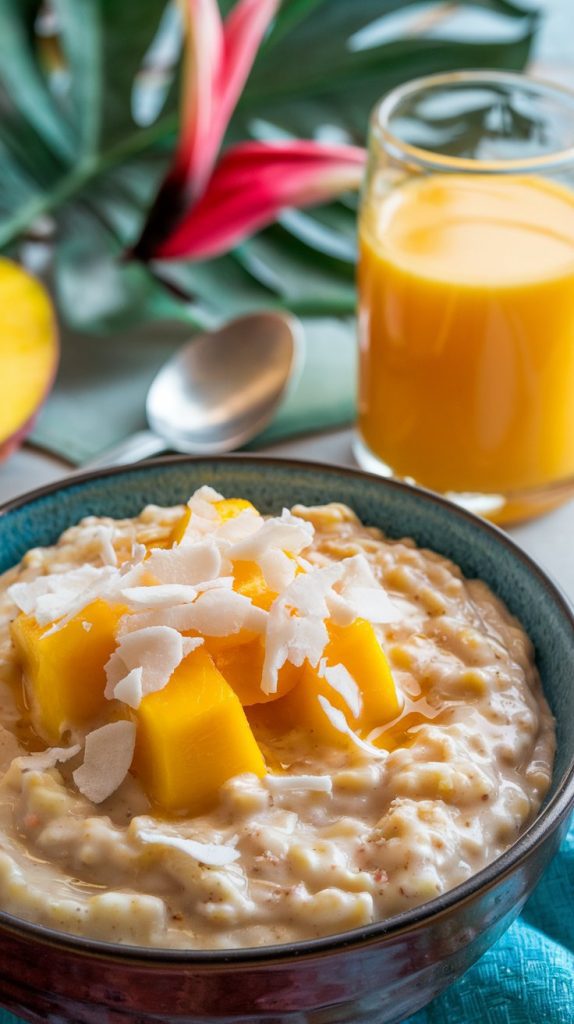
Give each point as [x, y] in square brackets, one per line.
[503, 509]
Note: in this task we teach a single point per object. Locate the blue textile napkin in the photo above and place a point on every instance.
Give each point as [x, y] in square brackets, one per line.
[527, 977]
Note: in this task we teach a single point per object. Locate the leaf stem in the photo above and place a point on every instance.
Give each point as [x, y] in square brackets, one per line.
[82, 174]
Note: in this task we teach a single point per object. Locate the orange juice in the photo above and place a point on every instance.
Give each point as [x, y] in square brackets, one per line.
[466, 321]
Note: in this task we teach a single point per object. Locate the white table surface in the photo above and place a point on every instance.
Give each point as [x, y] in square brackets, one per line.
[549, 539]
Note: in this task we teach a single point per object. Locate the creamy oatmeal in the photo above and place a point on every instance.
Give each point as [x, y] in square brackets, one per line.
[220, 730]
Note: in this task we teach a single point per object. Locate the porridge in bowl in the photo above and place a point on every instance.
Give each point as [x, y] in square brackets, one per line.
[222, 730]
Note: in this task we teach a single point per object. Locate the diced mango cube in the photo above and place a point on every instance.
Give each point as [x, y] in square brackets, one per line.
[191, 737]
[176, 535]
[358, 649]
[63, 674]
[372, 701]
[227, 508]
[242, 667]
[250, 581]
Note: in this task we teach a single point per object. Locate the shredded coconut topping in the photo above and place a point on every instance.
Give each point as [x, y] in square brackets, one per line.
[340, 679]
[299, 783]
[339, 722]
[108, 755]
[211, 854]
[157, 651]
[48, 758]
[188, 588]
[186, 564]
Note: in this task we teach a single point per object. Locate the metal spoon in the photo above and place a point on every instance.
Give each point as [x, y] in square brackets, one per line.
[218, 391]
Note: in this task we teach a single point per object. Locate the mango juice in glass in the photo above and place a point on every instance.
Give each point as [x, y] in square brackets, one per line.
[466, 292]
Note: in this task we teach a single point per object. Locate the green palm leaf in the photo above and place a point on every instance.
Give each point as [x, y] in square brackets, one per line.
[74, 148]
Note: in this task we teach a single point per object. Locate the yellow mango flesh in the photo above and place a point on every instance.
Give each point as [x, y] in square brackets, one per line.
[226, 509]
[63, 674]
[356, 648]
[28, 351]
[240, 658]
[191, 737]
[250, 582]
[242, 667]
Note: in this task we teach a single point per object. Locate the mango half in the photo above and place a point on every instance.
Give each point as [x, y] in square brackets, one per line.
[28, 352]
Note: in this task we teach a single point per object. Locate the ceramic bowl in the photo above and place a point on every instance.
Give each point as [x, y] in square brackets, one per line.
[375, 975]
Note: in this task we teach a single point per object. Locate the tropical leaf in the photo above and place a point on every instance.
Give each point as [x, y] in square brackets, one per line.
[76, 155]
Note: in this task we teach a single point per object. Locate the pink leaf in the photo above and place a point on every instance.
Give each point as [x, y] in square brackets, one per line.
[217, 63]
[243, 31]
[198, 147]
[218, 59]
[251, 184]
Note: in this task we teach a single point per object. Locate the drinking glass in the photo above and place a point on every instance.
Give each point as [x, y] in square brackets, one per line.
[466, 291]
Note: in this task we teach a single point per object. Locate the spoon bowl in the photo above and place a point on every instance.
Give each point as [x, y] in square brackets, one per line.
[218, 391]
[222, 388]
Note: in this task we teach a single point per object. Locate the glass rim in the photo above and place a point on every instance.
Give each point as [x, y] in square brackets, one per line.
[427, 159]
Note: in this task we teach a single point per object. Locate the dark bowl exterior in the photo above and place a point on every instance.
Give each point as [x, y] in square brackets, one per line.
[378, 975]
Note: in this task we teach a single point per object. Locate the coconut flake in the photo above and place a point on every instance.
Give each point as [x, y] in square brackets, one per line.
[290, 638]
[204, 517]
[372, 604]
[339, 722]
[157, 650]
[107, 757]
[25, 594]
[139, 552]
[205, 495]
[299, 783]
[213, 616]
[296, 630]
[285, 532]
[105, 588]
[278, 569]
[360, 595]
[51, 597]
[164, 595]
[223, 612]
[340, 679]
[48, 758]
[212, 854]
[186, 564]
[308, 592]
[222, 582]
[240, 527]
[129, 689]
[104, 535]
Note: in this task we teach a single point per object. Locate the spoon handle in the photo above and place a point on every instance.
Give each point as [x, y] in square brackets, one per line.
[139, 446]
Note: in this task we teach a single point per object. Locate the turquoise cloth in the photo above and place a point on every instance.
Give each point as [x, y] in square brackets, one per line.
[527, 977]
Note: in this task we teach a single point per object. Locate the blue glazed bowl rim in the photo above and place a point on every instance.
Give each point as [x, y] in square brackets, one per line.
[547, 821]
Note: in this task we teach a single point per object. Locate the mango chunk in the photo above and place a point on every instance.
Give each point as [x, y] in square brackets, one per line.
[358, 649]
[250, 581]
[242, 667]
[372, 702]
[63, 674]
[176, 535]
[191, 737]
[227, 508]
